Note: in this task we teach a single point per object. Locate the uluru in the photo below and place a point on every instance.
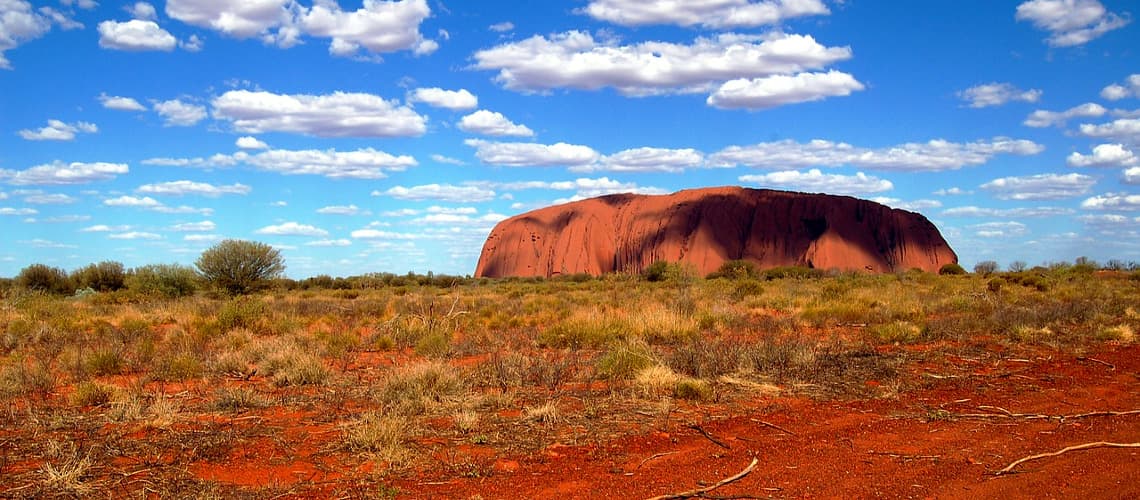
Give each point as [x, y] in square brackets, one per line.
[703, 228]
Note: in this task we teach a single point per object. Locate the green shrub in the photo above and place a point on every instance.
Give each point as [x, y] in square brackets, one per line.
[106, 276]
[792, 272]
[692, 389]
[44, 278]
[625, 359]
[92, 394]
[434, 345]
[951, 269]
[240, 267]
[735, 269]
[657, 271]
[415, 389]
[163, 280]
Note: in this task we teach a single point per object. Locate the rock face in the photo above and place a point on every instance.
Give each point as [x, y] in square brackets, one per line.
[706, 227]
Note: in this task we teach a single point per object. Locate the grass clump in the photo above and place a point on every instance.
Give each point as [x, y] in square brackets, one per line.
[236, 399]
[693, 389]
[92, 394]
[420, 388]
[897, 331]
[380, 434]
[625, 359]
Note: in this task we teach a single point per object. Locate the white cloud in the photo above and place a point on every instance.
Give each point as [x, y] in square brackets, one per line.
[438, 158]
[342, 242]
[42, 243]
[913, 205]
[718, 14]
[953, 191]
[342, 210]
[49, 199]
[194, 227]
[447, 218]
[441, 192]
[1125, 130]
[340, 114]
[292, 229]
[120, 103]
[576, 60]
[1000, 229]
[62, 219]
[148, 203]
[241, 19]
[1131, 176]
[1042, 118]
[376, 234]
[18, 211]
[528, 154]
[378, 26]
[450, 99]
[1105, 155]
[492, 123]
[778, 90]
[646, 159]
[585, 187]
[816, 181]
[931, 156]
[247, 142]
[502, 27]
[142, 10]
[201, 237]
[176, 113]
[1115, 92]
[973, 211]
[996, 94]
[1040, 187]
[135, 35]
[19, 23]
[103, 228]
[64, 173]
[365, 163]
[1070, 22]
[57, 130]
[192, 44]
[135, 235]
[183, 188]
[1113, 201]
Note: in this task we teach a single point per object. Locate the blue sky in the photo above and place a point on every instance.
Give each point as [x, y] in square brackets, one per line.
[391, 136]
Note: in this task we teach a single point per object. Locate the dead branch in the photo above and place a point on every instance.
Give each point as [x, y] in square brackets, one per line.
[999, 412]
[702, 491]
[710, 437]
[656, 455]
[1094, 360]
[774, 426]
[1087, 446]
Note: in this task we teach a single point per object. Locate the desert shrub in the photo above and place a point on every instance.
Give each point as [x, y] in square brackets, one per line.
[896, 331]
[240, 267]
[791, 272]
[985, 267]
[414, 389]
[594, 329]
[624, 359]
[105, 361]
[106, 276]
[693, 389]
[163, 280]
[546, 413]
[241, 312]
[44, 278]
[951, 269]
[735, 269]
[177, 366]
[655, 380]
[288, 363]
[657, 271]
[384, 435]
[91, 394]
[434, 345]
[239, 398]
[22, 378]
[747, 288]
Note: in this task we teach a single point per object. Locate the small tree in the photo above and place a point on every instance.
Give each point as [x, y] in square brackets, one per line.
[169, 280]
[952, 269]
[44, 278]
[1017, 266]
[106, 276]
[985, 267]
[240, 267]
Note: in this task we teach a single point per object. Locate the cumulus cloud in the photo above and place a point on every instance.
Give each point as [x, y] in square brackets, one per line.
[194, 227]
[438, 158]
[1113, 201]
[120, 103]
[377, 26]
[450, 99]
[57, 130]
[1105, 155]
[135, 35]
[1040, 187]
[237, 19]
[646, 159]
[585, 187]
[151, 204]
[49, 199]
[247, 142]
[103, 228]
[1042, 118]
[502, 27]
[529, 154]
[142, 10]
[931, 156]
[341, 242]
[440, 192]
[779, 90]
[576, 60]
[996, 94]
[492, 123]
[1000, 229]
[292, 229]
[953, 191]
[1070, 22]
[816, 181]
[1131, 176]
[719, 14]
[176, 113]
[1115, 92]
[912, 205]
[19, 23]
[364, 163]
[18, 211]
[340, 114]
[974, 211]
[183, 188]
[64, 173]
[135, 235]
[1125, 130]
[342, 210]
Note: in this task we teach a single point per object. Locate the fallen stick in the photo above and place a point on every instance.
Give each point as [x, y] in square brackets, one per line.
[774, 426]
[999, 412]
[656, 455]
[1094, 360]
[710, 437]
[702, 491]
[1099, 444]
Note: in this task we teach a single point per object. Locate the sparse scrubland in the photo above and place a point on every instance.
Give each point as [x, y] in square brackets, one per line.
[150, 383]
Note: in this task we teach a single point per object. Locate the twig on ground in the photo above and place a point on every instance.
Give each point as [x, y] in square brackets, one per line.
[710, 437]
[1094, 360]
[702, 491]
[774, 426]
[1099, 444]
[999, 412]
[656, 455]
